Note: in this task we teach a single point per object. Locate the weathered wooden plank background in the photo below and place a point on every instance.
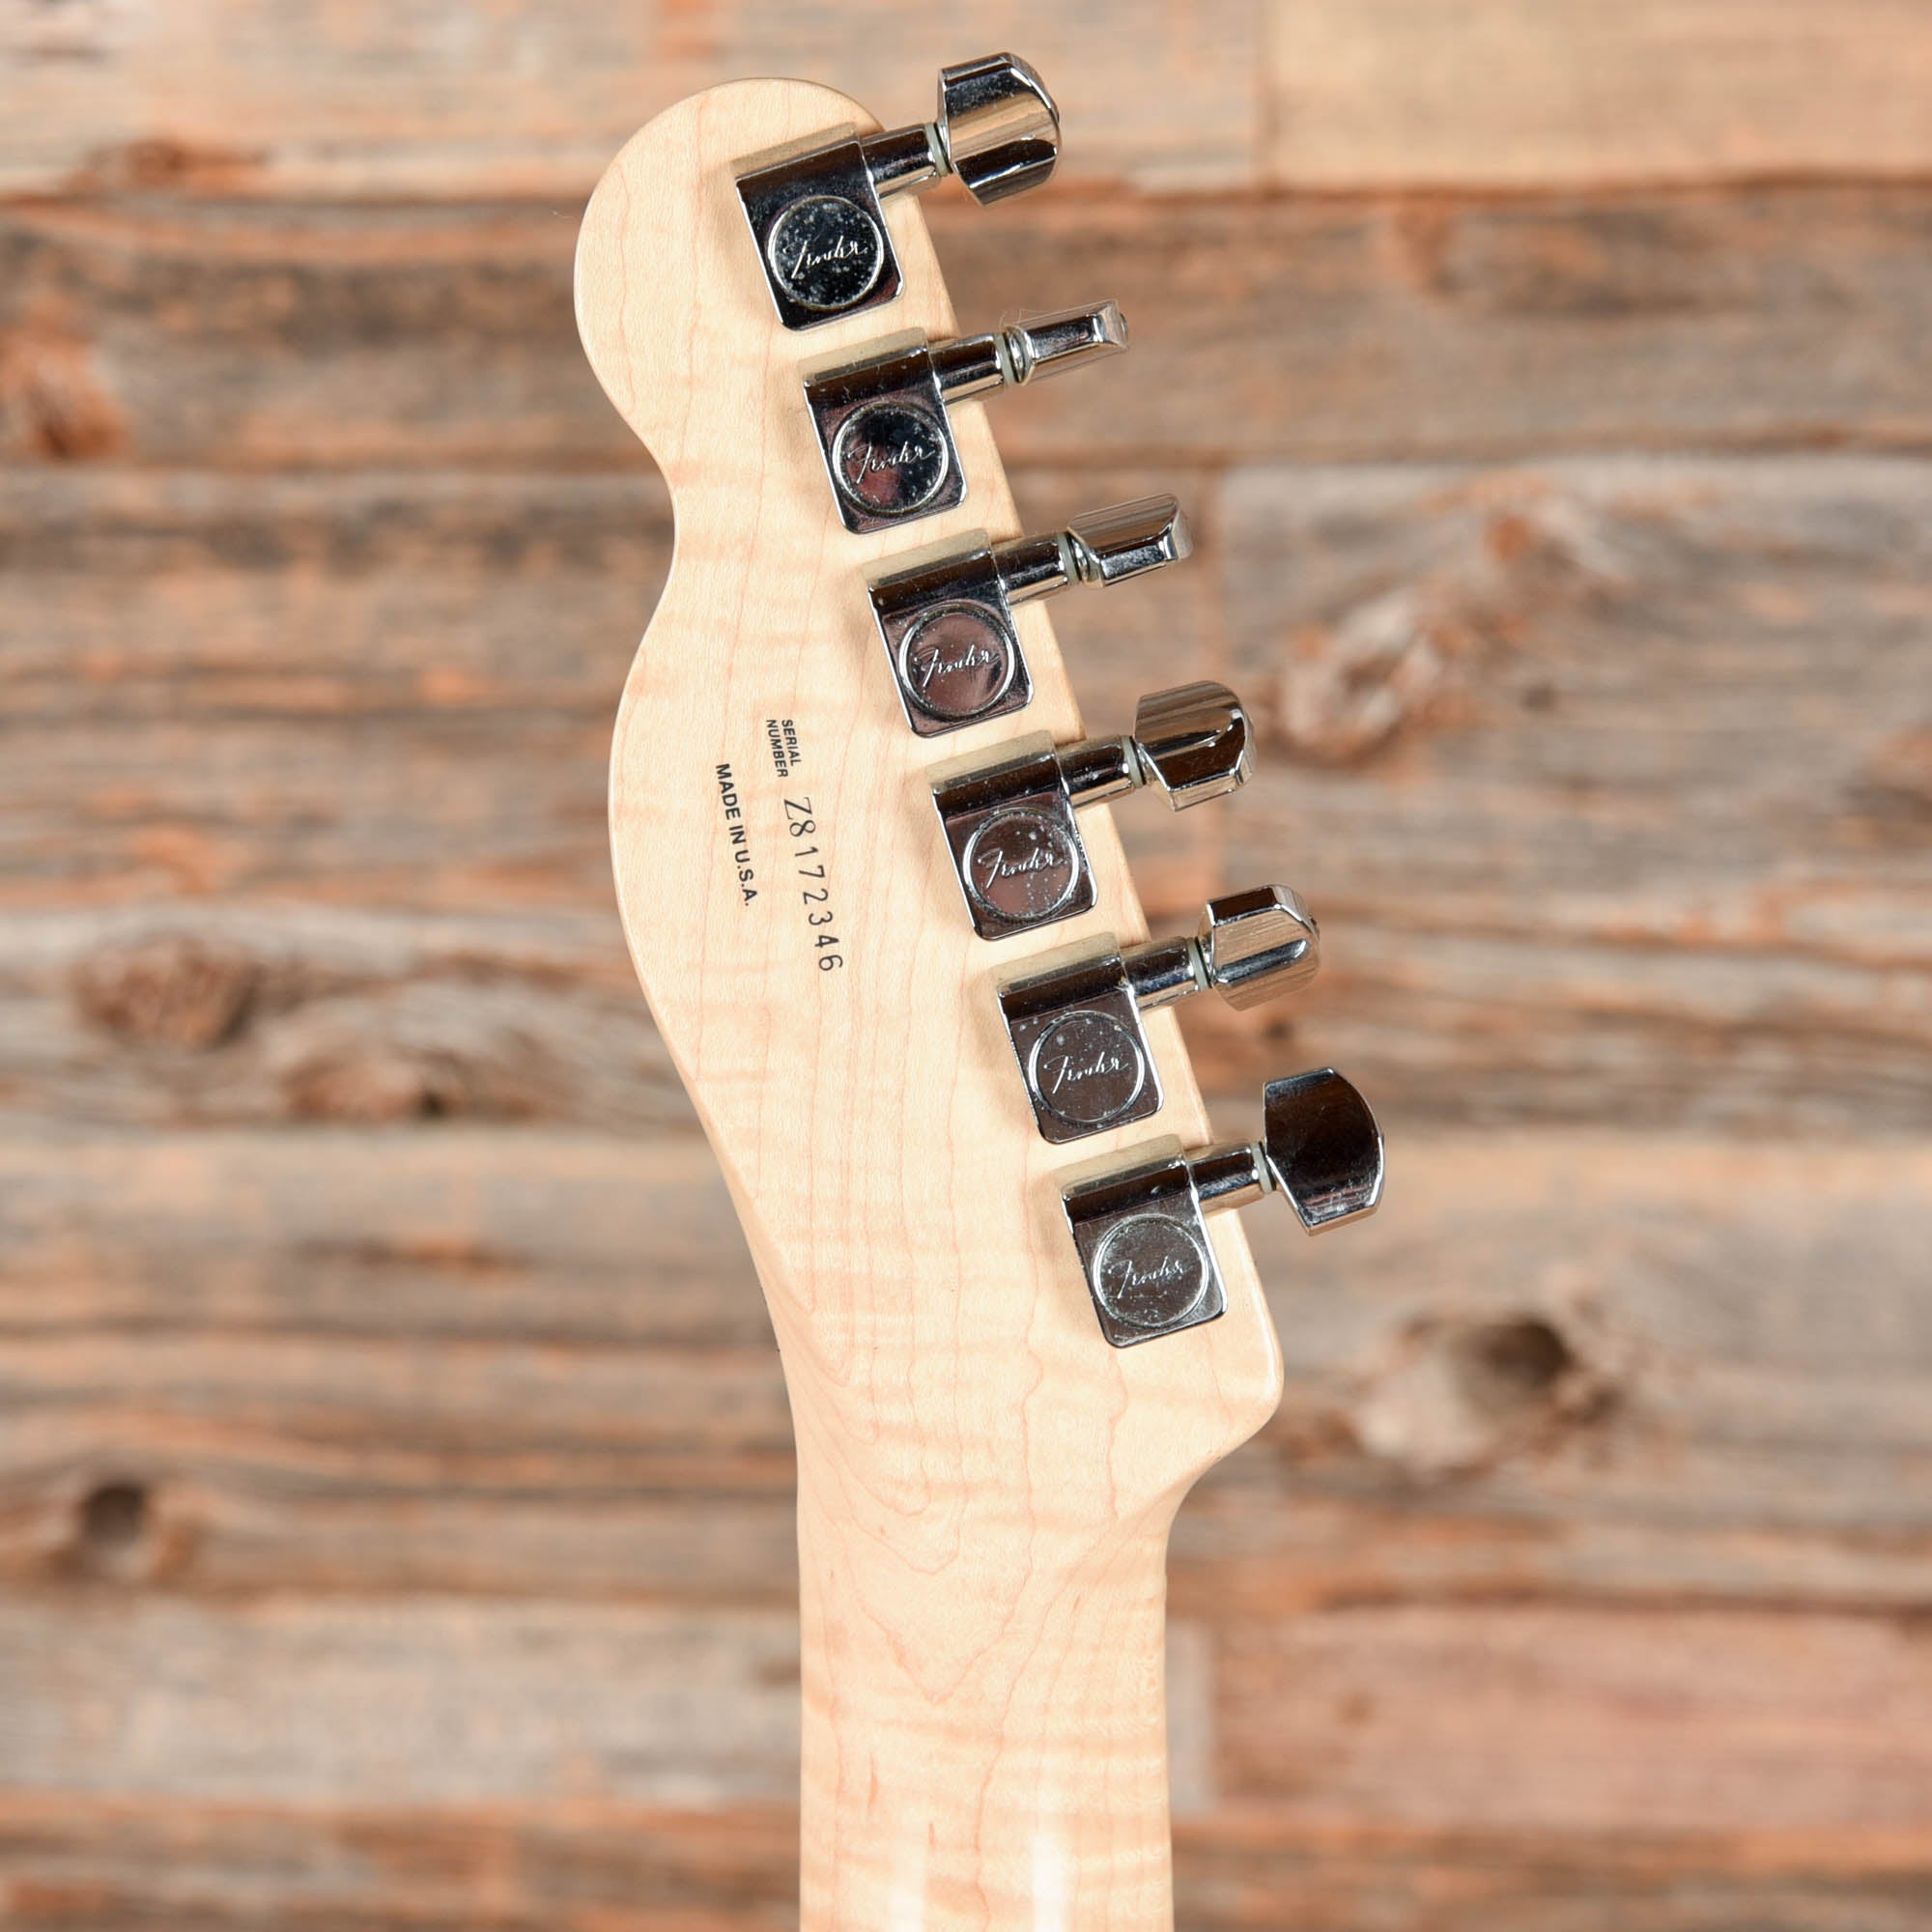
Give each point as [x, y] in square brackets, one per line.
[393, 1465]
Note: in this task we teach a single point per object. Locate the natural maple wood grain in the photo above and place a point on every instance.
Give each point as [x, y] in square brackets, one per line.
[985, 1488]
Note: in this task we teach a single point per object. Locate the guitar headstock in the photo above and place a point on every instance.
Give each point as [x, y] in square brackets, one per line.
[844, 800]
[868, 870]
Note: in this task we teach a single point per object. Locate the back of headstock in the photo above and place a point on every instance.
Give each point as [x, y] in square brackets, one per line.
[855, 972]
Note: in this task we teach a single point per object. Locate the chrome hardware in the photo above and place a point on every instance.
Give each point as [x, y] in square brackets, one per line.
[947, 623]
[1255, 946]
[1121, 541]
[1141, 1230]
[881, 422]
[998, 127]
[1010, 826]
[1075, 1023]
[1193, 740]
[820, 231]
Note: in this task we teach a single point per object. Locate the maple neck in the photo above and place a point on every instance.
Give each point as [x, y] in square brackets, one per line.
[986, 1482]
[985, 1740]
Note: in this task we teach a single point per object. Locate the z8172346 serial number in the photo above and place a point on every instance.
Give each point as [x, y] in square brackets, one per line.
[816, 892]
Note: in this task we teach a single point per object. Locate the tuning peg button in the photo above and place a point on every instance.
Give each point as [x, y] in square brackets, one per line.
[998, 126]
[816, 218]
[1011, 825]
[1322, 1149]
[1193, 741]
[1141, 1230]
[1075, 1021]
[947, 622]
[1255, 946]
[1112, 545]
[881, 422]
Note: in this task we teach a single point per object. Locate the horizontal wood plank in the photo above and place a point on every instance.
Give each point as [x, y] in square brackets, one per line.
[156, 1865]
[1661, 728]
[1389, 92]
[294, 100]
[1258, 1870]
[415, 1701]
[1513, 1719]
[591, 1241]
[578, 1865]
[1775, 315]
[153, 1019]
[1384, 325]
[442, 99]
[1561, 1365]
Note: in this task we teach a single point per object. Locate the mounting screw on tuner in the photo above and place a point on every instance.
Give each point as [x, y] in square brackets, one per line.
[1075, 1023]
[947, 622]
[1011, 827]
[816, 219]
[881, 422]
[1141, 1230]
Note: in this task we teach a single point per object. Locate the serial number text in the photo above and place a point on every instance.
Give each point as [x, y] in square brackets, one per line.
[816, 892]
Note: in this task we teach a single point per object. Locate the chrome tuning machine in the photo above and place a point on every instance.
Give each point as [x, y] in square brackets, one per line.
[1141, 1230]
[947, 621]
[1011, 827]
[816, 216]
[1075, 1023]
[881, 422]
